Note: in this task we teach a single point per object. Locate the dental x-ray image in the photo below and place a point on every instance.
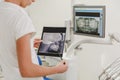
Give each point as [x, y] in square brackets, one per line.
[52, 43]
[87, 25]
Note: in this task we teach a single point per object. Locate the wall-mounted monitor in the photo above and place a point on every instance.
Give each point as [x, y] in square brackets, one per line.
[89, 20]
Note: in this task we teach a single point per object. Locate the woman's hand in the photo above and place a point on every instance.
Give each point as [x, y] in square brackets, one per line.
[62, 67]
[37, 42]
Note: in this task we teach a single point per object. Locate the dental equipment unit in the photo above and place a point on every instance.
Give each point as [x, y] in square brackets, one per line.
[110, 73]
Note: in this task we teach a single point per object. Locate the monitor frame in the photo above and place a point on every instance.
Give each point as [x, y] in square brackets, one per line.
[99, 9]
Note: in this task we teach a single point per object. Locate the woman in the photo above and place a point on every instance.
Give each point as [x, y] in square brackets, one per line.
[17, 55]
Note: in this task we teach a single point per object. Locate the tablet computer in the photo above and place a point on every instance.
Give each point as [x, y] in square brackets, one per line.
[53, 39]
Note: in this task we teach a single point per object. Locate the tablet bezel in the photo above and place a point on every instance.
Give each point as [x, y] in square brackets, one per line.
[52, 30]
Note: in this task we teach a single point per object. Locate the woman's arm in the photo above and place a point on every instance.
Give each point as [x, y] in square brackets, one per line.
[26, 67]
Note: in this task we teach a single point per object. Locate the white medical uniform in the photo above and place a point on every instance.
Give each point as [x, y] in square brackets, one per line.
[14, 23]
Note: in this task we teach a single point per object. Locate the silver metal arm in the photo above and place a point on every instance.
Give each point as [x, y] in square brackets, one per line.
[93, 41]
[113, 36]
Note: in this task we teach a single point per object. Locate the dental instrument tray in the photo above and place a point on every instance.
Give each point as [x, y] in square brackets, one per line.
[53, 39]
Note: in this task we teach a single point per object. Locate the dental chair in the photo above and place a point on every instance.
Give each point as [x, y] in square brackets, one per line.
[112, 71]
[40, 63]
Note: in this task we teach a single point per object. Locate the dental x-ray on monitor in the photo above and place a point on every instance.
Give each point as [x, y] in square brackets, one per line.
[52, 41]
[89, 20]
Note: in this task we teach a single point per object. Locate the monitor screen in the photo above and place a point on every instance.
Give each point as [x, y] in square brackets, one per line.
[53, 39]
[89, 20]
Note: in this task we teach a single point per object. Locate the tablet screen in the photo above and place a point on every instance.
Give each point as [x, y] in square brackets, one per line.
[52, 41]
